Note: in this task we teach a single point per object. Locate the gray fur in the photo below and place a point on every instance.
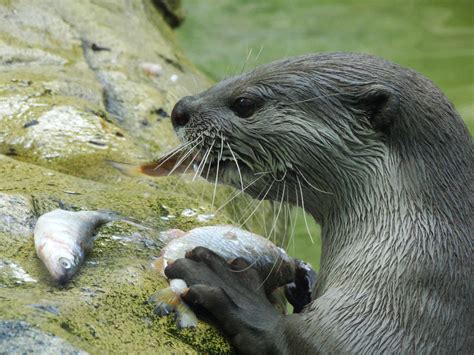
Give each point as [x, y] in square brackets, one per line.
[390, 181]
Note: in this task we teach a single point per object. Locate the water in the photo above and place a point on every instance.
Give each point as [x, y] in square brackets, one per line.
[435, 37]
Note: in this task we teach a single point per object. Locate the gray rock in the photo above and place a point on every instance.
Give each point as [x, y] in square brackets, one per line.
[16, 215]
[18, 337]
[73, 93]
[12, 274]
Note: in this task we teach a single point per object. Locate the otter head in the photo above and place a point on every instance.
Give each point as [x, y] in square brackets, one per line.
[312, 128]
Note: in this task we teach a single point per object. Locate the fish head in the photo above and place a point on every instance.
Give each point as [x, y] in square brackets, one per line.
[66, 268]
[61, 264]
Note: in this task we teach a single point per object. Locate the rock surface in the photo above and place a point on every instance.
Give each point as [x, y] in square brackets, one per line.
[81, 82]
[21, 338]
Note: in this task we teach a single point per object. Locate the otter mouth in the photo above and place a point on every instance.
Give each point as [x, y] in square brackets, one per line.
[216, 163]
[201, 164]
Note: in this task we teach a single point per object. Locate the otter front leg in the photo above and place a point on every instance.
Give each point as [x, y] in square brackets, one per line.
[235, 299]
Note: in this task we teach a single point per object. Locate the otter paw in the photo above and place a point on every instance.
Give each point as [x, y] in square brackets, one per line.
[300, 292]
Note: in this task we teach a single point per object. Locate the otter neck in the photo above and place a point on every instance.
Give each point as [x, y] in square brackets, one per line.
[380, 212]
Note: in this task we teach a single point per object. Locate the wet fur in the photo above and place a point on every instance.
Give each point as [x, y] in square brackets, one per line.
[385, 166]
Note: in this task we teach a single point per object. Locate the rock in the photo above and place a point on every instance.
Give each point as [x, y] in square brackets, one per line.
[12, 274]
[16, 215]
[21, 338]
[73, 93]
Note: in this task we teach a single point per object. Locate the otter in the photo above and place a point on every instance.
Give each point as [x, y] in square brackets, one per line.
[381, 159]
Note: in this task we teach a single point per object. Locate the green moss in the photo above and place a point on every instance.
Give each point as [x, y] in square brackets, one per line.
[103, 308]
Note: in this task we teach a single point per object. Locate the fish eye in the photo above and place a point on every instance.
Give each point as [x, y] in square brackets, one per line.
[244, 107]
[66, 263]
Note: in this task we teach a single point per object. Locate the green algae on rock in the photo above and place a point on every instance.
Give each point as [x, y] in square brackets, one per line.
[64, 108]
[73, 93]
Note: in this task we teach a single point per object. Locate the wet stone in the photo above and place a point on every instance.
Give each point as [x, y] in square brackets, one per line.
[18, 337]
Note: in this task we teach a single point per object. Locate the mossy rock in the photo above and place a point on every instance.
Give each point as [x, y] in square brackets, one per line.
[75, 91]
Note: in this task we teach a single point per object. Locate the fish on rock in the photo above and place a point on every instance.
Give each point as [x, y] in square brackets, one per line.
[273, 264]
[62, 239]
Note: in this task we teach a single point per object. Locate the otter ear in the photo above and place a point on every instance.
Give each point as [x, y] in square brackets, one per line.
[381, 105]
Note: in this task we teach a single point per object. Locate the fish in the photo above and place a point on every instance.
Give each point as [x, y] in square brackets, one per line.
[273, 264]
[62, 238]
[170, 163]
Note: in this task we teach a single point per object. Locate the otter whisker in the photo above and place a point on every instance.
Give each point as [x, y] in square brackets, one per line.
[174, 151]
[314, 187]
[292, 224]
[196, 169]
[304, 211]
[259, 53]
[201, 166]
[206, 178]
[273, 227]
[187, 168]
[249, 207]
[217, 171]
[183, 158]
[282, 178]
[258, 205]
[295, 219]
[262, 172]
[277, 215]
[236, 193]
[246, 61]
[190, 163]
[286, 217]
[200, 169]
[236, 163]
[264, 219]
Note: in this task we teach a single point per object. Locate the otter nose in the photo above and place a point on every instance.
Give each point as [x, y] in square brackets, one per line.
[181, 114]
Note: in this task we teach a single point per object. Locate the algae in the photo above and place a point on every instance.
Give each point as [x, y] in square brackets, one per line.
[73, 94]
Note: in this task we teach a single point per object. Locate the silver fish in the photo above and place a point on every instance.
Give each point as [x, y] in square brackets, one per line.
[62, 238]
[273, 263]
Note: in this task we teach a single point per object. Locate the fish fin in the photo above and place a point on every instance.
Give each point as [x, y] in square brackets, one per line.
[110, 214]
[159, 265]
[114, 216]
[166, 301]
[185, 317]
[149, 169]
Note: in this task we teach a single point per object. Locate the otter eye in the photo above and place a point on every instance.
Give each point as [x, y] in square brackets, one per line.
[244, 107]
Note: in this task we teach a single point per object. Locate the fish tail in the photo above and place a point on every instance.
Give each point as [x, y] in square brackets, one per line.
[159, 265]
[166, 301]
[109, 215]
[185, 317]
[149, 169]
[113, 216]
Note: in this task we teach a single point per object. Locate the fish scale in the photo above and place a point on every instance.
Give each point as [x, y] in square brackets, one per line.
[272, 263]
[62, 238]
[227, 241]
